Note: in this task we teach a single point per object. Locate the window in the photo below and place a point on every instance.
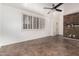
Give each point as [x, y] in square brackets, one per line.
[31, 22]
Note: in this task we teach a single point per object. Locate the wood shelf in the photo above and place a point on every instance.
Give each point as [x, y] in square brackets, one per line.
[71, 25]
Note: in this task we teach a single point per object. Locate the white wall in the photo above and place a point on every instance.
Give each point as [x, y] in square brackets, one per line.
[0, 21]
[53, 19]
[61, 23]
[12, 26]
[0, 17]
[56, 23]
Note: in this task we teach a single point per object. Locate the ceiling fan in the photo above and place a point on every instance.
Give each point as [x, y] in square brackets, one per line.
[54, 7]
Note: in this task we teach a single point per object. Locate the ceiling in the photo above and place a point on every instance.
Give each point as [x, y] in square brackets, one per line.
[38, 7]
[34, 7]
[71, 8]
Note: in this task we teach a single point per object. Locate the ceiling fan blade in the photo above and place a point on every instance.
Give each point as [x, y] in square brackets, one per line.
[58, 5]
[59, 10]
[47, 8]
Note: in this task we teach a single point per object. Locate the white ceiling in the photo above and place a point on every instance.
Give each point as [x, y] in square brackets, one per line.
[71, 8]
[38, 7]
[34, 7]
